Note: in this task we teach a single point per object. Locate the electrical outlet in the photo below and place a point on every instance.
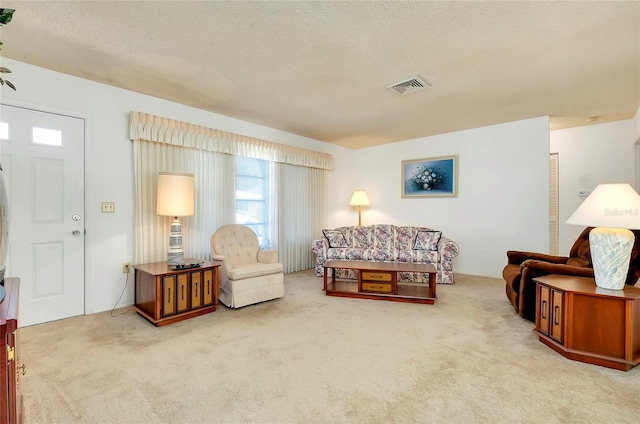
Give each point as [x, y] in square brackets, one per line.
[126, 268]
[108, 207]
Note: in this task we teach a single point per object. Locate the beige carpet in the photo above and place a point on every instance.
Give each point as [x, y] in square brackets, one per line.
[308, 358]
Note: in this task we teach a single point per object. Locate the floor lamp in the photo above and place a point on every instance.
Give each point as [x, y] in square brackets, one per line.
[613, 209]
[176, 199]
[359, 199]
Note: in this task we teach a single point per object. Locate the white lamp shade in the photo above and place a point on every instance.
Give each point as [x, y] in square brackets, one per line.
[175, 194]
[610, 206]
[359, 198]
[614, 209]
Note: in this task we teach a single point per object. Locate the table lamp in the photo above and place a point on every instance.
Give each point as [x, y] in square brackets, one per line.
[176, 199]
[613, 209]
[359, 199]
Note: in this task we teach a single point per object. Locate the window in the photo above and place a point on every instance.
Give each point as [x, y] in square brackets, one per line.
[252, 196]
[4, 131]
[46, 137]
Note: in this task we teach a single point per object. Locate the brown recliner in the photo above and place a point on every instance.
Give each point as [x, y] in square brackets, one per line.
[522, 267]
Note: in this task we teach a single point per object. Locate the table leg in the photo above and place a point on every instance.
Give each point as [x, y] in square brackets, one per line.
[326, 270]
[432, 284]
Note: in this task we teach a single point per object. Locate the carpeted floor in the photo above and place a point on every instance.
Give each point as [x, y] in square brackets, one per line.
[308, 358]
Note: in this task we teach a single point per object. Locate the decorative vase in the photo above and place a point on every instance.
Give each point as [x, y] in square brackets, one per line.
[426, 186]
[610, 252]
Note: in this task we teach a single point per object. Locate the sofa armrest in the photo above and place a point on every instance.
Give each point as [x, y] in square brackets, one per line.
[516, 257]
[320, 245]
[266, 256]
[447, 248]
[539, 268]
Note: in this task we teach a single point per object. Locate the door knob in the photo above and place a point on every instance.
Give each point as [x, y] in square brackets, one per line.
[76, 232]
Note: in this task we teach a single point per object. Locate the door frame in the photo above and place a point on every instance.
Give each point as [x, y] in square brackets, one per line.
[88, 198]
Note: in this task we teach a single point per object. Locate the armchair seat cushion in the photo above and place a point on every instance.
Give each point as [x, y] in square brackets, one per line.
[254, 270]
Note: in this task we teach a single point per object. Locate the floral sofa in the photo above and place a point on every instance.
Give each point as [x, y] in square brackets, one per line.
[387, 243]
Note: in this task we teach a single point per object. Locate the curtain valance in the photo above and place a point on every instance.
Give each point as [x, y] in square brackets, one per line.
[157, 129]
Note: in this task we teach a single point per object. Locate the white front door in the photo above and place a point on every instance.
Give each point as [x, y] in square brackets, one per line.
[42, 155]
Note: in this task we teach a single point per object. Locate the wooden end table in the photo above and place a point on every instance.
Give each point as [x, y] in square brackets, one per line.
[164, 295]
[587, 323]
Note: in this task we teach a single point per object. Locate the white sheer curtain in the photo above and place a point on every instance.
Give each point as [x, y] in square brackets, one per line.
[165, 145]
[300, 208]
[214, 175]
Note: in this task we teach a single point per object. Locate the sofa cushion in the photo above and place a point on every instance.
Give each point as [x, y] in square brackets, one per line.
[418, 256]
[337, 253]
[336, 238]
[347, 232]
[427, 240]
[355, 254]
[380, 255]
[362, 237]
[348, 254]
[405, 236]
[383, 237]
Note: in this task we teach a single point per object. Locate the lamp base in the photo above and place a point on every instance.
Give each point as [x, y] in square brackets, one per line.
[610, 253]
[175, 255]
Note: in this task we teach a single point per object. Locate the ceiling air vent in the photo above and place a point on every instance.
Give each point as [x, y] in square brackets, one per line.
[409, 86]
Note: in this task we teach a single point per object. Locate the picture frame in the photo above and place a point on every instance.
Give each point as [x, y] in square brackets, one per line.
[430, 177]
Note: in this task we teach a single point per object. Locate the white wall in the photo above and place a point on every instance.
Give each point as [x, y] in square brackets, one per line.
[636, 126]
[588, 156]
[502, 198]
[636, 150]
[503, 177]
[109, 162]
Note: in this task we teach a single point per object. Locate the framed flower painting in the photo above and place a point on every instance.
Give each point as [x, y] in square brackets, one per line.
[430, 177]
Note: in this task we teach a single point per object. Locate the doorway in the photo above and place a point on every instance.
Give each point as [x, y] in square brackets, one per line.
[553, 204]
[43, 159]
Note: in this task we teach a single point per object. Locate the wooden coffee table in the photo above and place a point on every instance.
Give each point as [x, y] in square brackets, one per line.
[379, 281]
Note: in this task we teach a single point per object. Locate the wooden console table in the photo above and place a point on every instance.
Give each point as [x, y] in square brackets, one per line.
[586, 323]
[379, 281]
[164, 295]
[10, 371]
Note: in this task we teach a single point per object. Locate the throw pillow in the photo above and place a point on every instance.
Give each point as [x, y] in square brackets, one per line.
[427, 240]
[335, 237]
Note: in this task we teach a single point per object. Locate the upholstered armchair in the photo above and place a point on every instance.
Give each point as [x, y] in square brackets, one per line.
[522, 267]
[248, 274]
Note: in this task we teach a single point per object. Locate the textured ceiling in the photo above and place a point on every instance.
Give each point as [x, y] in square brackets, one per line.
[320, 69]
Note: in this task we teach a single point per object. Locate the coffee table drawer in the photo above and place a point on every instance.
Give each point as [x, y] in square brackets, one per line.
[377, 287]
[376, 276]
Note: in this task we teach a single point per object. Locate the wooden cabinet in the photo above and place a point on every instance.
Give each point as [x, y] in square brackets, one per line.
[589, 324]
[164, 295]
[10, 372]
